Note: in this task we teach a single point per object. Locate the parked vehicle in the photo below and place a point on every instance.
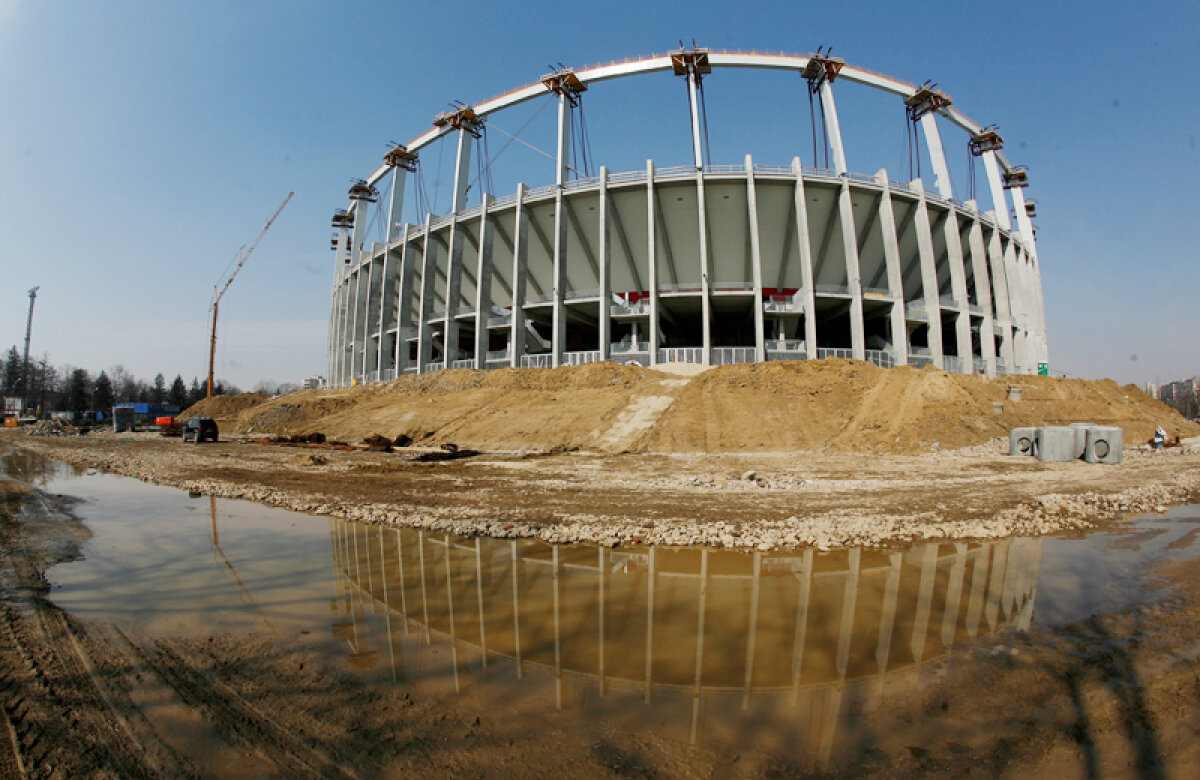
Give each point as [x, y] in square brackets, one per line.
[200, 429]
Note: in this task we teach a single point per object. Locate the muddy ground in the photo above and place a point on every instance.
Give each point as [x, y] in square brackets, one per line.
[764, 501]
[1114, 696]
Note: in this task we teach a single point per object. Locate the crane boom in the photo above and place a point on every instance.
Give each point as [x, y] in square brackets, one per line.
[217, 294]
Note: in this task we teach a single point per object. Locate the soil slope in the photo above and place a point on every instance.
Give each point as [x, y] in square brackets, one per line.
[841, 405]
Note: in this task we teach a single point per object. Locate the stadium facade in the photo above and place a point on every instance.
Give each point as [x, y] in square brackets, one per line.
[702, 263]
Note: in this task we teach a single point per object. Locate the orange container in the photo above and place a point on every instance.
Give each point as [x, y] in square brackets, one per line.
[163, 420]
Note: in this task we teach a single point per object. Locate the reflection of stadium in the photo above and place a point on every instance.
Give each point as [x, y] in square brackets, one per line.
[702, 263]
[694, 634]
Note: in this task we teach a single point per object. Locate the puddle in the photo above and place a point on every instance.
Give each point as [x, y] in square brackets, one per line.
[703, 646]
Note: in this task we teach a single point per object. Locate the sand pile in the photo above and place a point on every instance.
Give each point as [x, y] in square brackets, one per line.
[223, 406]
[842, 405]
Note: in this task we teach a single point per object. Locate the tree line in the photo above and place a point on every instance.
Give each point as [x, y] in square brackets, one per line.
[71, 389]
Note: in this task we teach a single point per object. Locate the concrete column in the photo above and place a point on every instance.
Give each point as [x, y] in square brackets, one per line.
[752, 637]
[891, 257]
[1016, 303]
[849, 602]
[954, 594]
[651, 574]
[605, 313]
[924, 599]
[404, 301]
[424, 332]
[705, 270]
[991, 609]
[937, 157]
[978, 587]
[483, 284]
[693, 80]
[832, 128]
[958, 288]
[396, 204]
[652, 254]
[453, 297]
[804, 244]
[853, 274]
[1034, 310]
[558, 329]
[760, 346]
[386, 267]
[887, 617]
[345, 329]
[983, 293]
[359, 232]
[352, 321]
[371, 313]
[1000, 298]
[462, 171]
[516, 338]
[999, 203]
[929, 281]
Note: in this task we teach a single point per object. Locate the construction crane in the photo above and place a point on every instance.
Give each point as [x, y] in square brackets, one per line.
[217, 294]
[25, 365]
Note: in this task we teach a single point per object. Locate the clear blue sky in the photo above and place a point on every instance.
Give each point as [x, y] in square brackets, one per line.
[142, 143]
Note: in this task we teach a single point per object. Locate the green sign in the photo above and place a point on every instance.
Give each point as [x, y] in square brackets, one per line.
[1043, 369]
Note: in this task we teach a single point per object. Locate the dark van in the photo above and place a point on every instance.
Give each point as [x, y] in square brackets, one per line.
[200, 429]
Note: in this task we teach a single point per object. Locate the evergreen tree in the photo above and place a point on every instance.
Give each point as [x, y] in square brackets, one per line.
[178, 395]
[12, 371]
[77, 390]
[158, 393]
[196, 392]
[102, 394]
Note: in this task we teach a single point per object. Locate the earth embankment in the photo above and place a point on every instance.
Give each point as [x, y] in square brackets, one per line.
[838, 405]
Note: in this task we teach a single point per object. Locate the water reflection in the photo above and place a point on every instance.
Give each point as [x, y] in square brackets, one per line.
[36, 469]
[711, 642]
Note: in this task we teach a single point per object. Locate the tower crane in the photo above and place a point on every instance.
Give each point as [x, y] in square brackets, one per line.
[218, 293]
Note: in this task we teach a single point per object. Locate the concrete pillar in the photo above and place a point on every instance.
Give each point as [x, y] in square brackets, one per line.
[958, 288]
[462, 171]
[453, 290]
[833, 128]
[1000, 298]
[652, 254]
[978, 587]
[483, 284]
[651, 574]
[693, 80]
[999, 203]
[558, 330]
[604, 259]
[424, 332]
[924, 599]
[849, 602]
[954, 594]
[937, 156]
[760, 346]
[983, 293]
[801, 632]
[929, 281]
[804, 244]
[396, 204]
[887, 617]
[353, 323]
[752, 637]
[1016, 303]
[387, 270]
[705, 270]
[516, 339]
[404, 301]
[853, 274]
[891, 257]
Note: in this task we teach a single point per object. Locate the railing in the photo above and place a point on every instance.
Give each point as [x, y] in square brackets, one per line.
[503, 321]
[538, 192]
[773, 170]
[372, 377]
[784, 303]
[624, 177]
[866, 178]
[587, 181]
[630, 309]
[434, 366]
[776, 354]
[1001, 368]
[821, 173]
[622, 347]
[504, 200]
[495, 355]
[898, 185]
[727, 356]
[580, 358]
[834, 352]
[468, 363]
[681, 355]
[880, 357]
[540, 360]
[786, 345]
[923, 351]
[831, 289]
[574, 294]
[725, 169]
[919, 361]
[675, 172]
[388, 374]
[953, 364]
[980, 365]
[732, 286]
[438, 222]
[471, 212]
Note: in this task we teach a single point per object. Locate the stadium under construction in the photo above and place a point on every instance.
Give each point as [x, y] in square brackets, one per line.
[702, 263]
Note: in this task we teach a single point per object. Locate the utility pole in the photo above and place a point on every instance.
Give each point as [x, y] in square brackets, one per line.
[25, 365]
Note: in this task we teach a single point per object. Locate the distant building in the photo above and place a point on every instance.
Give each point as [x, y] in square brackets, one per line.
[313, 383]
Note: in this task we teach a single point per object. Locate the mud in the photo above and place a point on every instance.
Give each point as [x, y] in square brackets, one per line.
[1110, 693]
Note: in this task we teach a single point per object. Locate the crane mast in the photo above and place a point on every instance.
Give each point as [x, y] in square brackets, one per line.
[25, 365]
[218, 293]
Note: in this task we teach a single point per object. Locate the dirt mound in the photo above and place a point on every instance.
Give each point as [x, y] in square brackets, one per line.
[223, 406]
[841, 405]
